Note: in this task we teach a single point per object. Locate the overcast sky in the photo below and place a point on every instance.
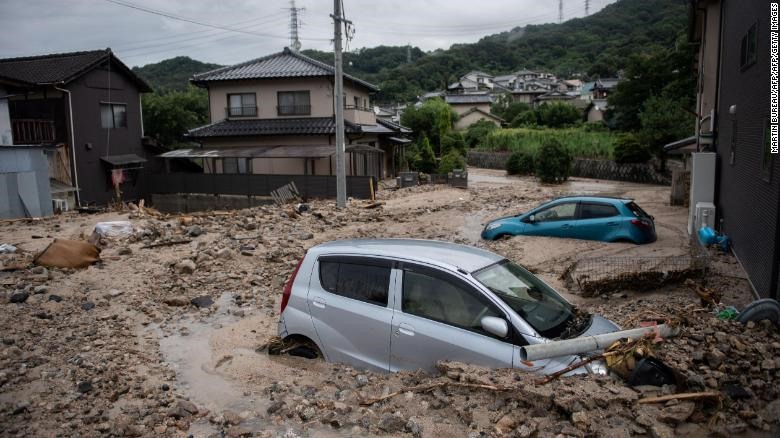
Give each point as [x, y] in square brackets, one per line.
[34, 27]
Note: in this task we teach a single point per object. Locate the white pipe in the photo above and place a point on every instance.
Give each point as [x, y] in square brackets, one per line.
[586, 344]
[72, 145]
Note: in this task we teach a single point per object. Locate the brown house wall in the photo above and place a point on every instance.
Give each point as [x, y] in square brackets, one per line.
[93, 142]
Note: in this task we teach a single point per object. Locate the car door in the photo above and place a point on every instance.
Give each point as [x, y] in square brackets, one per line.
[558, 220]
[597, 221]
[348, 302]
[437, 317]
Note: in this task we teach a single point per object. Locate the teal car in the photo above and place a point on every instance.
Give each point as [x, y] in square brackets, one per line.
[579, 217]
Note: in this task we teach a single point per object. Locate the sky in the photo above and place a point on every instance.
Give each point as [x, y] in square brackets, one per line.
[232, 31]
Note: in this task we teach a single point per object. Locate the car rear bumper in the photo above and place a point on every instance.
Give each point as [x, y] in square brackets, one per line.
[281, 328]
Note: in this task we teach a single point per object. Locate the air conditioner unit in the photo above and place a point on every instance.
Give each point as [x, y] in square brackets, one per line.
[59, 204]
[704, 216]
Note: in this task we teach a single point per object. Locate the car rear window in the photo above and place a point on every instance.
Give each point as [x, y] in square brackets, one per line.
[363, 282]
[637, 210]
[594, 210]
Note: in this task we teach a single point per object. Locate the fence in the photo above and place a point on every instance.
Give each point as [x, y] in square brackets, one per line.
[309, 186]
[582, 167]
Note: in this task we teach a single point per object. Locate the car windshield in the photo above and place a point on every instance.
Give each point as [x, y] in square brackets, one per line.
[546, 311]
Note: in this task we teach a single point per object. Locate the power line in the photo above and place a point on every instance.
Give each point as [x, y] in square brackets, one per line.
[200, 23]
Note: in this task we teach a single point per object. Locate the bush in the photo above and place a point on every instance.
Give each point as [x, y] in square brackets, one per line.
[553, 162]
[451, 161]
[453, 141]
[628, 149]
[520, 163]
[476, 133]
[425, 161]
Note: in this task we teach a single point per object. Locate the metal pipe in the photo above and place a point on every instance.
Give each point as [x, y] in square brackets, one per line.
[586, 344]
[72, 144]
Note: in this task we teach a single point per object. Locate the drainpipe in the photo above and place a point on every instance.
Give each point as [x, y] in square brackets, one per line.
[72, 144]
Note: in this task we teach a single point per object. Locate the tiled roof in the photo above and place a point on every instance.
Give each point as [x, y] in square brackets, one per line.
[59, 67]
[397, 127]
[296, 126]
[285, 64]
[467, 98]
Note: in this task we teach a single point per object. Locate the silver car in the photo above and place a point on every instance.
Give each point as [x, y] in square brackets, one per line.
[395, 304]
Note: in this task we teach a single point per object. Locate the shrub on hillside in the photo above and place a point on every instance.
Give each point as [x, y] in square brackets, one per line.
[451, 161]
[628, 149]
[553, 162]
[520, 163]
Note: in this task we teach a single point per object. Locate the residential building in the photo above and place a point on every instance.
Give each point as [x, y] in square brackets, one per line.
[276, 115]
[733, 122]
[90, 104]
[471, 108]
[603, 87]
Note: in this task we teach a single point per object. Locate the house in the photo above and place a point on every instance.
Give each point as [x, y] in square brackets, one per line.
[603, 87]
[276, 115]
[596, 110]
[738, 170]
[90, 104]
[471, 108]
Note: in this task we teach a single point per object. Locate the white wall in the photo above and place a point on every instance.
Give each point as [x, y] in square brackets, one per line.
[6, 135]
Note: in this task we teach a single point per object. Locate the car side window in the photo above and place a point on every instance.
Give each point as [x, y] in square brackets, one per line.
[557, 212]
[445, 300]
[590, 210]
[363, 282]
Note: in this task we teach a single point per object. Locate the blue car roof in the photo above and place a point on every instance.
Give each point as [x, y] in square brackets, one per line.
[607, 199]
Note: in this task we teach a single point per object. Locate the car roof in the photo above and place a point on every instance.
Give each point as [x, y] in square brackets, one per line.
[443, 254]
[607, 199]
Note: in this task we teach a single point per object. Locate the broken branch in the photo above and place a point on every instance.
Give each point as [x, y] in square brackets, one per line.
[681, 396]
[167, 243]
[430, 386]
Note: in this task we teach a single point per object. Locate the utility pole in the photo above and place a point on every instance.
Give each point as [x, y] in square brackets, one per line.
[587, 7]
[560, 11]
[295, 42]
[408, 53]
[338, 93]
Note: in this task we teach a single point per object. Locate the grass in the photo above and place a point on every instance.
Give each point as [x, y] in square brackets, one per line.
[581, 142]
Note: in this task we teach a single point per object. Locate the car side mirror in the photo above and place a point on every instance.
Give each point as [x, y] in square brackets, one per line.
[529, 219]
[496, 326]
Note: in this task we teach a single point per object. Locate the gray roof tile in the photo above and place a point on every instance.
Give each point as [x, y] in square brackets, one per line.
[468, 98]
[285, 64]
[294, 126]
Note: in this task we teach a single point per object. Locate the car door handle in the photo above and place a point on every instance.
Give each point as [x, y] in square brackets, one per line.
[404, 328]
[319, 302]
[611, 224]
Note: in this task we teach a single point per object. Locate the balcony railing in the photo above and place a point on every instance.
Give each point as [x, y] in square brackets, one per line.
[293, 110]
[33, 131]
[241, 111]
[357, 107]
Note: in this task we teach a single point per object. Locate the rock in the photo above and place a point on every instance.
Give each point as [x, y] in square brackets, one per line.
[42, 289]
[392, 423]
[689, 429]
[644, 420]
[186, 266]
[768, 364]
[84, 386]
[659, 430]
[19, 296]
[194, 231]
[580, 417]
[505, 424]
[231, 418]
[113, 293]
[307, 413]
[714, 358]
[88, 306]
[342, 408]
[306, 236]
[275, 406]
[124, 251]
[55, 298]
[678, 413]
[771, 412]
[238, 431]
[182, 409]
[225, 253]
[414, 427]
[177, 301]
[361, 380]
[202, 301]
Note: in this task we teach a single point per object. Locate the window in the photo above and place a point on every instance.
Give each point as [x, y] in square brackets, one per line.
[557, 212]
[113, 115]
[357, 101]
[362, 282]
[234, 165]
[749, 47]
[440, 298]
[594, 211]
[242, 105]
[293, 103]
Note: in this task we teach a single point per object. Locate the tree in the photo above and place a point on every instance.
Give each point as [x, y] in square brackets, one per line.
[167, 117]
[553, 162]
[558, 114]
[425, 160]
[451, 161]
[506, 108]
[431, 120]
[453, 141]
[663, 121]
[520, 162]
[477, 131]
[628, 149]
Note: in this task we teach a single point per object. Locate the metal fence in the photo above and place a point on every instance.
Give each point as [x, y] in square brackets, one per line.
[309, 186]
[600, 275]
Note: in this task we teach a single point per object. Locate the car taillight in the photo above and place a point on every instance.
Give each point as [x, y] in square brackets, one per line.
[288, 287]
[640, 223]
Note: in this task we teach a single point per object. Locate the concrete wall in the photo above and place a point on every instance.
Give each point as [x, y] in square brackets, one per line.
[24, 183]
[186, 203]
[709, 22]
[6, 134]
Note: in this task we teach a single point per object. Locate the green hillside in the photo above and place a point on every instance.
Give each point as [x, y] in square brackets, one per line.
[172, 74]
